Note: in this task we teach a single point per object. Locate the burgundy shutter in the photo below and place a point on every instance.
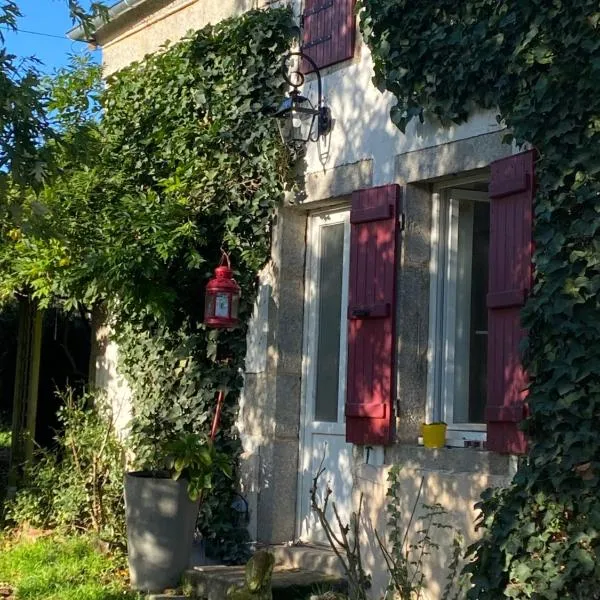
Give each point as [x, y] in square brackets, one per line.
[371, 311]
[511, 205]
[328, 31]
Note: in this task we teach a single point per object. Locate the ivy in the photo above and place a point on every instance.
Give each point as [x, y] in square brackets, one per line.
[175, 161]
[538, 64]
[192, 163]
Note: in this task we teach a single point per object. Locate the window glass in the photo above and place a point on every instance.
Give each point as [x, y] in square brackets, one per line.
[479, 288]
[329, 309]
[470, 336]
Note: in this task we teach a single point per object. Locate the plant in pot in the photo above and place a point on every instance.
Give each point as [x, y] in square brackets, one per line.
[162, 506]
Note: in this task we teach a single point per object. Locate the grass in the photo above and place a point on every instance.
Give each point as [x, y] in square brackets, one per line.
[55, 568]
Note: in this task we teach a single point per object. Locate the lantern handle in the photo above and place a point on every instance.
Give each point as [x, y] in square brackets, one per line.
[225, 258]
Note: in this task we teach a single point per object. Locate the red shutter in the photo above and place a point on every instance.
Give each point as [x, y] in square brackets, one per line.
[328, 31]
[511, 205]
[371, 311]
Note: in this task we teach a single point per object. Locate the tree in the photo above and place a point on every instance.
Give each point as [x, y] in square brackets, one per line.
[24, 124]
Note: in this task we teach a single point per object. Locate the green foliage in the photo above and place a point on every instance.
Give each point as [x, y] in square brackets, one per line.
[24, 119]
[174, 377]
[5, 432]
[77, 486]
[56, 568]
[46, 233]
[539, 63]
[183, 161]
[191, 163]
[196, 460]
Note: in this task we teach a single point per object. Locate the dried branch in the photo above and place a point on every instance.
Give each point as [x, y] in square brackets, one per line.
[346, 544]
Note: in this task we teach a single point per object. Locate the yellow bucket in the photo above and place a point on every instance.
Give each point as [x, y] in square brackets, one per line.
[434, 435]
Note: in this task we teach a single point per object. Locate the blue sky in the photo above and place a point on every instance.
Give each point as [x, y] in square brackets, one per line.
[48, 17]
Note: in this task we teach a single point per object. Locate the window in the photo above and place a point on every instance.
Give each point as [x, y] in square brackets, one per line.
[326, 331]
[330, 296]
[457, 382]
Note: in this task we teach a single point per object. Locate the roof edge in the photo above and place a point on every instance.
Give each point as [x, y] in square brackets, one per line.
[114, 13]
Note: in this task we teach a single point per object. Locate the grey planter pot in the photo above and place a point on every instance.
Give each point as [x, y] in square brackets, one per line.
[160, 530]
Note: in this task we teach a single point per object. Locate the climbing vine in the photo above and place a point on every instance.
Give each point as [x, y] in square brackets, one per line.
[192, 164]
[183, 161]
[538, 63]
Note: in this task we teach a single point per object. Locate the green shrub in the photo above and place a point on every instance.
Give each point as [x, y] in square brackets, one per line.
[78, 486]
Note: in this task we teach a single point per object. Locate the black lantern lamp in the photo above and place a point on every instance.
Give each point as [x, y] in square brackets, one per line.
[299, 120]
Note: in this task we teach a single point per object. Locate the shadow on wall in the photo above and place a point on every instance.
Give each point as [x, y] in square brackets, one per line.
[456, 492]
[269, 418]
[362, 128]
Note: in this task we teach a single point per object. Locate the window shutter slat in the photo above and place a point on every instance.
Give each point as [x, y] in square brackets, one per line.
[329, 29]
[511, 207]
[371, 310]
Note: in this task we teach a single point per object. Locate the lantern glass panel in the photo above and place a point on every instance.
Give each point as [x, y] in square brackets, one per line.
[235, 305]
[285, 128]
[302, 125]
[222, 306]
[303, 118]
[209, 310]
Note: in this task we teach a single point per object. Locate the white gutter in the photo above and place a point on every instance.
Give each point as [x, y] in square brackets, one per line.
[114, 12]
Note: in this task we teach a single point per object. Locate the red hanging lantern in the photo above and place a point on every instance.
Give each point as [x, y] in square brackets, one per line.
[222, 297]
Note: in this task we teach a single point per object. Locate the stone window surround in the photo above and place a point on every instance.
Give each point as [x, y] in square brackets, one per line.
[417, 171]
[278, 390]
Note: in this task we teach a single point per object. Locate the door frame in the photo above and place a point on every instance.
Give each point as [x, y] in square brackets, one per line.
[341, 214]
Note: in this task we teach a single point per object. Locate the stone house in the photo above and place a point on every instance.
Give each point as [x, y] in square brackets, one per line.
[392, 297]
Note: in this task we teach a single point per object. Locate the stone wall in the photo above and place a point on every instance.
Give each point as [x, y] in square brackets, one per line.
[269, 420]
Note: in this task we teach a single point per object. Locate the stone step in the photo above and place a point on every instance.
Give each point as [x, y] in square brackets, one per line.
[212, 582]
[311, 558]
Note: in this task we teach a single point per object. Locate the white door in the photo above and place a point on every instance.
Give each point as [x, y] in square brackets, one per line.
[323, 439]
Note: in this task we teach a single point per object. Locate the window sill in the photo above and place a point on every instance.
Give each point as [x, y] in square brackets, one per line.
[460, 442]
[457, 459]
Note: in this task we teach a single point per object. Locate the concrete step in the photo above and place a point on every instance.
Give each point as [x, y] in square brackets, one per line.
[311, 558]
[212, 582]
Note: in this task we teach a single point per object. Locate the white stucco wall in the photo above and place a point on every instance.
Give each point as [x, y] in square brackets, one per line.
[168, 24]
[118, 393]
[363, 129]
[456, 491]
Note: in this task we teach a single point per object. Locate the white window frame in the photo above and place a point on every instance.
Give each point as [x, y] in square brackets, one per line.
[334, 216]
[337, 214]
[442, 311]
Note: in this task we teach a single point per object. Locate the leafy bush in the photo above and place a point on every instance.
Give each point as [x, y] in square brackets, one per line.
[5, 431]
[78, 486]
[184, 160]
